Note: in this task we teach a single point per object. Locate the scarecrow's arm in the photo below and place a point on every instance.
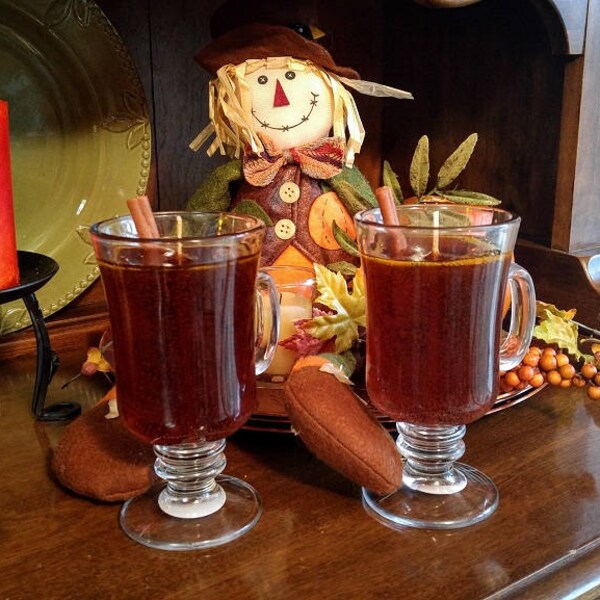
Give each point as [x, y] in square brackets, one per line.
[213, 193]
[353, 189]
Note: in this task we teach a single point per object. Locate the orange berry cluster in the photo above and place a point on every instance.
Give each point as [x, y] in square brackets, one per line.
[547, 365]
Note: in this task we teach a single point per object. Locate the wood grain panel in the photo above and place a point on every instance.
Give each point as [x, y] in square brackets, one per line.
[563, 279]
[485, 68]
[567, 156]
[359, 43]
[179, 30]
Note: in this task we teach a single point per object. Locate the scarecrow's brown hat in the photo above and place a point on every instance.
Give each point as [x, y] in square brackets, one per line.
[259, 40]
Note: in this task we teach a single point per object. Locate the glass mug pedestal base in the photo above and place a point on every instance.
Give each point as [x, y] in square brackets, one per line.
[197, 507]
[409, 508]
[142, 519]
[437, 491]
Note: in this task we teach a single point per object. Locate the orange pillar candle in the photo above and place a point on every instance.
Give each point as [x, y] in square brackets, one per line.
[9, 268]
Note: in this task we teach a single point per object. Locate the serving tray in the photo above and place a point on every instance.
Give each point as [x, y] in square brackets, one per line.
[270, 414]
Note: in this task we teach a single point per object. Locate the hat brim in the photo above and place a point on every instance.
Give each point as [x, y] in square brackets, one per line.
[258, 40]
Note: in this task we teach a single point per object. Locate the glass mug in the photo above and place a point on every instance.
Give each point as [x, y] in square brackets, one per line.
[183, 317]
[435, 286]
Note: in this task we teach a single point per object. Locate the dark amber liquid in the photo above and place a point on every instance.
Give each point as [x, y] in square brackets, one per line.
[433, 335]
[184, 348]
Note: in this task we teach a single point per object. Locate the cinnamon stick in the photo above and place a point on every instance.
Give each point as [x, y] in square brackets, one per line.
[143, 217]
[145, 224]
[385, 199]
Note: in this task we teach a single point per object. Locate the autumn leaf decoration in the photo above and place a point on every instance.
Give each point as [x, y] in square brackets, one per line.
[453, 166]
[348, 308]
[556, 326]
[95, 363]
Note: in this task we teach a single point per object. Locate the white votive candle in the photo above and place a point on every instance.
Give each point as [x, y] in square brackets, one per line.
[293, 308]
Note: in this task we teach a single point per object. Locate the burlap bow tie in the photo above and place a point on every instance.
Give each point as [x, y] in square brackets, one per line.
[321, 159]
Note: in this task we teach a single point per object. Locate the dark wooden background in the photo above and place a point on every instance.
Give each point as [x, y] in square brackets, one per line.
[511, 70]
[523, 74]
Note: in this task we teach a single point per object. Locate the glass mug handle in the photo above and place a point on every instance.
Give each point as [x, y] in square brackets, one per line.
[522, 317]
[267, 321]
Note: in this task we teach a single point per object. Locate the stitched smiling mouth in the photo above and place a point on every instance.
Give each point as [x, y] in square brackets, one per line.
[302, 120]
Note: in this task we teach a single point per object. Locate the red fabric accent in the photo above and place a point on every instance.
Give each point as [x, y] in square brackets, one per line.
[321, 159]
[280, 99]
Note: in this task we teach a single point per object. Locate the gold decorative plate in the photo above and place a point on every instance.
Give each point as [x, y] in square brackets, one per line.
[80, 136]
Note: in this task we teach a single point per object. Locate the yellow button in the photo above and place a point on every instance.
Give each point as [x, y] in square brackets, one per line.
[289, 192]
[285, 229]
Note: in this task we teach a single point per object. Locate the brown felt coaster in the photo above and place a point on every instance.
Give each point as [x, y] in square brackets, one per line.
[336, 426]
[98, 458]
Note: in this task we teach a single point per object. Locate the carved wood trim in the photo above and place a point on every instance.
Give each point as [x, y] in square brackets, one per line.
[585, 217]
[563, 279]
[565, 21]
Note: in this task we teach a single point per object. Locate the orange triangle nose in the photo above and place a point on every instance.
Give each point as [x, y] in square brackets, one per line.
[280, 99]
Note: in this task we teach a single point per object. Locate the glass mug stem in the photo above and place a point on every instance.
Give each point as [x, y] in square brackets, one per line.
[430, 453]
[190, 471]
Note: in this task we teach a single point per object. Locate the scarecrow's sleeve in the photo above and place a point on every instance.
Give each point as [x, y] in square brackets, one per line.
[213, 193]
[353, 189]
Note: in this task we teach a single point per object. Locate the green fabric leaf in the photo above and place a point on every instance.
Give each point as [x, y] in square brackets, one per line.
[249, 207]
[556, 326]
[544, 308]
[347, 244]
[391, 180]
[353, 189]
[345, 361]
[213, 193]
[468, 197]
[456, 162]
[343, 267]
[554, 330]
[419, 167]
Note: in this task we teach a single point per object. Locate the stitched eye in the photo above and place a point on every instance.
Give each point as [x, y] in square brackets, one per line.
[290, 75]
[263, 79]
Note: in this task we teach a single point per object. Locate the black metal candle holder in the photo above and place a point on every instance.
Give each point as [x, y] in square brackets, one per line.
[35, 271]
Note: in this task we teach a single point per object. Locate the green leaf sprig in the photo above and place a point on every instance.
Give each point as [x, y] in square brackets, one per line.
[391, 180]
[453, 166]
[419, 167]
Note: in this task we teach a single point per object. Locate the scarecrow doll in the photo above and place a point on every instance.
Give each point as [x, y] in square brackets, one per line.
[280, 107]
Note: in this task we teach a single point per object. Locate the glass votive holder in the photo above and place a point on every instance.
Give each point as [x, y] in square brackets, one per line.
[297, 291]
